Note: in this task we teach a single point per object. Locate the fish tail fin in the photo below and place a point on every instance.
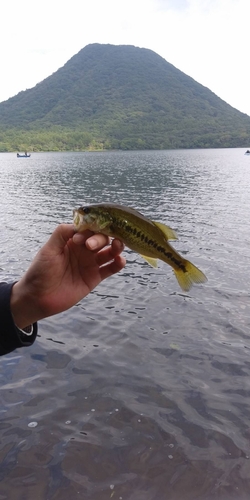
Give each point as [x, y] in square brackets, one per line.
[190, 275]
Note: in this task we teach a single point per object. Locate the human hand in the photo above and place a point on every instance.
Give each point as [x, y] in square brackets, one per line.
[66, 269]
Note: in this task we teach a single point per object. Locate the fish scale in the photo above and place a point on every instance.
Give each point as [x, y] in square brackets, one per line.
[145, 241]
[149, 238]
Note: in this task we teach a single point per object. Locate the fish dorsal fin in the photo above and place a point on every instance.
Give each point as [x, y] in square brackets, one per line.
[150, 260]
[166, 230]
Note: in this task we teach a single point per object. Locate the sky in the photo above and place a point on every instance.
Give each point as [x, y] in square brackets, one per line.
[206, 39]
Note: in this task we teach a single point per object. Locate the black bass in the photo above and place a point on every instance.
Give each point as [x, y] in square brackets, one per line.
[146, 237]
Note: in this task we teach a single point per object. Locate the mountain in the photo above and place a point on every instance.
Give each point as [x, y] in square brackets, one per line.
[109, 96]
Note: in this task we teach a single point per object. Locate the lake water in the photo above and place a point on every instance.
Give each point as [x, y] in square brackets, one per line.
[140, 392]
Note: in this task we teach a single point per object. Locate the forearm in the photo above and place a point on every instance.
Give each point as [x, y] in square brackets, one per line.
[10, 335]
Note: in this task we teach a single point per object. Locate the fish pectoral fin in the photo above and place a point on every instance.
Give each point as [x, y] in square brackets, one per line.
[150, 260]
[103, 225]
[169, 233]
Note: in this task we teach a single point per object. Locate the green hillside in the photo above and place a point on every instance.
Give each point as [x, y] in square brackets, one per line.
[109, 96]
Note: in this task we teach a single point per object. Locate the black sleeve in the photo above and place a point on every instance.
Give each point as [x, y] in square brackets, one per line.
[10, 336]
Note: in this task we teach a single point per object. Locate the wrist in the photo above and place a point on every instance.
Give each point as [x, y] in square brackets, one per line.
[22, 307]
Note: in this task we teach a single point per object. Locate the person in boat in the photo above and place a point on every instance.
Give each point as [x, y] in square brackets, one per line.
[66, 269]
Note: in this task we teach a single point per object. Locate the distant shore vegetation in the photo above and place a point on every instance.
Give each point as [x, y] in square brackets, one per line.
[63, 139]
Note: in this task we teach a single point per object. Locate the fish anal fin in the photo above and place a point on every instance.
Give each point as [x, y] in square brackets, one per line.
[169, 233]
[150, 260]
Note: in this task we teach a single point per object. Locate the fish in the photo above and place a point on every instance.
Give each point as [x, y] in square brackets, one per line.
[147, 237]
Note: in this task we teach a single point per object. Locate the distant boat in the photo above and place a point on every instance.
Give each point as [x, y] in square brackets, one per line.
[26, 155]
[247, 152]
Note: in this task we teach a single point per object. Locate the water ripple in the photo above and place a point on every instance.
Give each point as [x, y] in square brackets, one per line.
[140, 391]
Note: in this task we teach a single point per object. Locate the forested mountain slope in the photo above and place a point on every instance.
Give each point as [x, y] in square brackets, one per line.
[109, 96]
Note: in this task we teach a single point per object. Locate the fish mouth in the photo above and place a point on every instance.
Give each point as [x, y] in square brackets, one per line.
[78, 219]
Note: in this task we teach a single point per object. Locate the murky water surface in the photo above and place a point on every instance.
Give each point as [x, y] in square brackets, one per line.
[140, 392]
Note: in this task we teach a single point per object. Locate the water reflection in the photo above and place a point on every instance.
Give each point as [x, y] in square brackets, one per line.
[139, 392]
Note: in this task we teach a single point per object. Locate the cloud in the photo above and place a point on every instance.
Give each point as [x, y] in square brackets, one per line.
[164, 5]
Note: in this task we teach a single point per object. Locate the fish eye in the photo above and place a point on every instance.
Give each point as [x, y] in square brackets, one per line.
[86, 210]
